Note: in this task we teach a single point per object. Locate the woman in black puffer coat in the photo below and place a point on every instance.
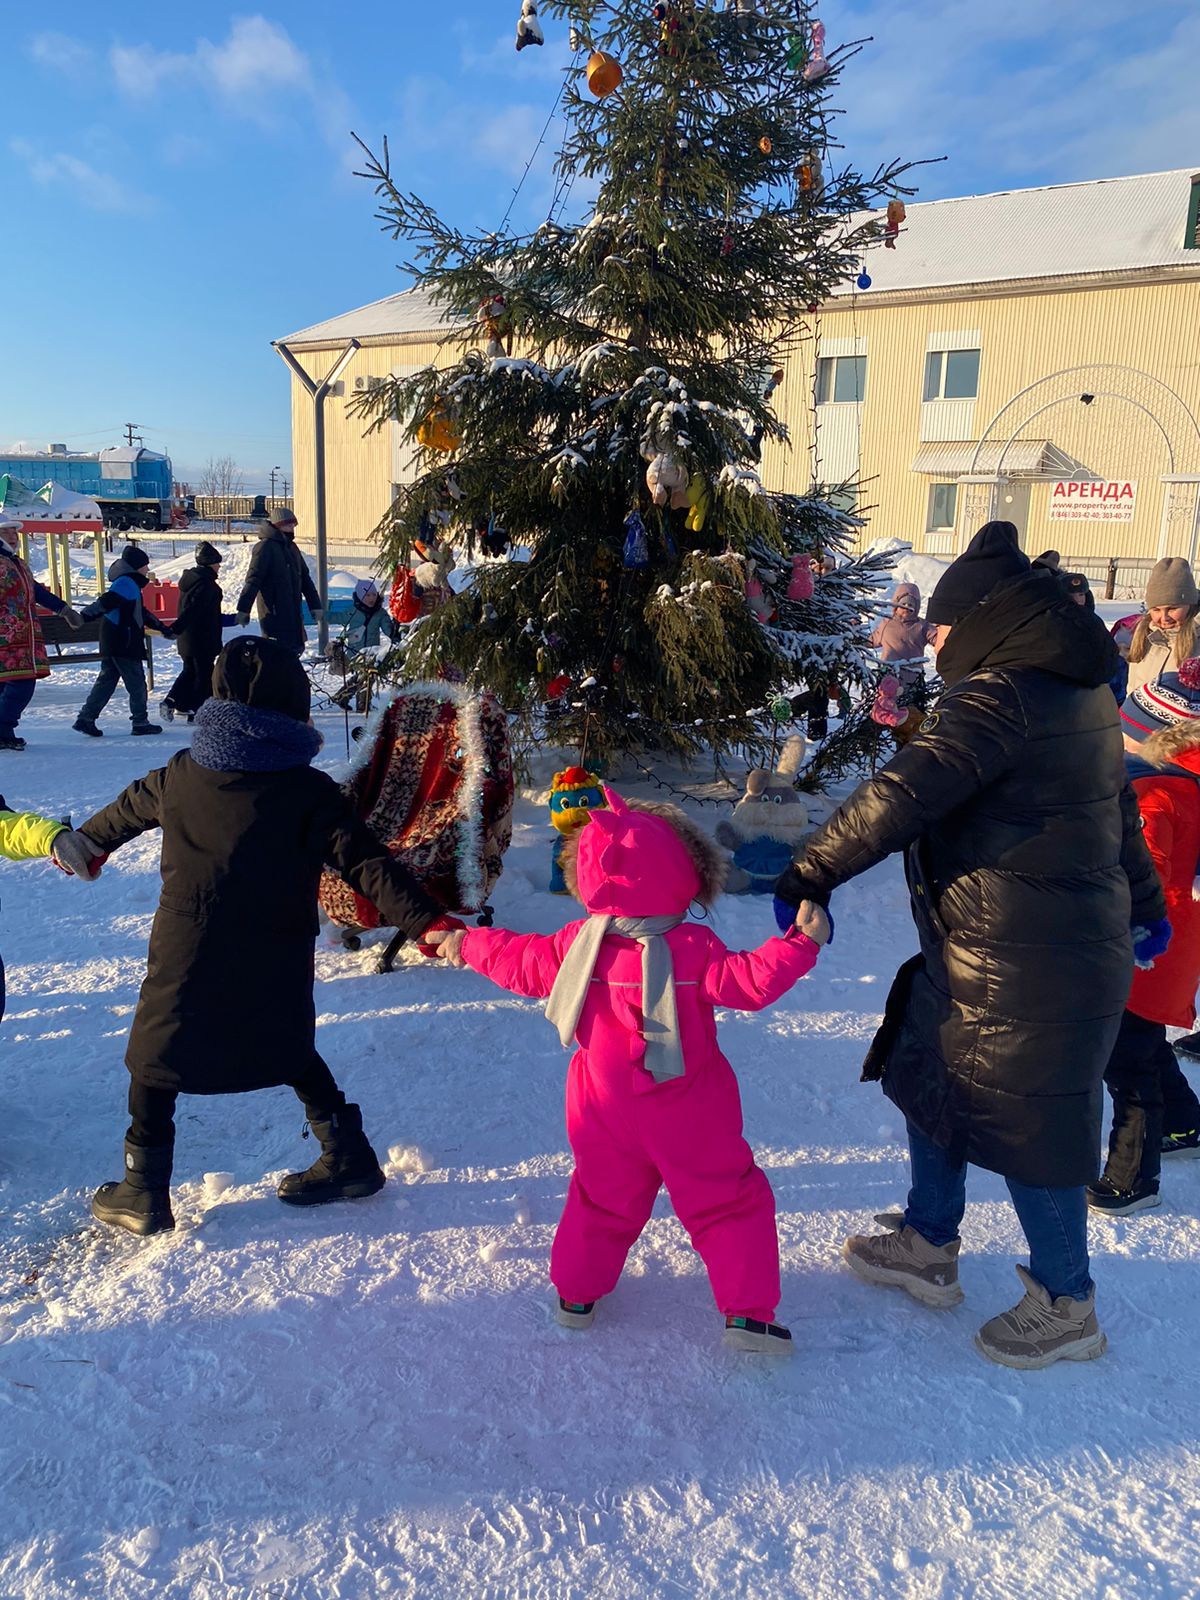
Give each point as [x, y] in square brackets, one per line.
[1026, 870]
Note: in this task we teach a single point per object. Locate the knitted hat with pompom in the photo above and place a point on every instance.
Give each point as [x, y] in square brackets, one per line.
[1173, 697]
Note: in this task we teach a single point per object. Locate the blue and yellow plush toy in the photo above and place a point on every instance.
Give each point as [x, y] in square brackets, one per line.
[574, 794]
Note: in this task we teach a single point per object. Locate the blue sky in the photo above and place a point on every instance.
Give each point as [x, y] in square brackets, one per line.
[179, 190]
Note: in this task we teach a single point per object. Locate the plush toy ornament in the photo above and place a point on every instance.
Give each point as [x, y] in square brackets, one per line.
[439, 431]
[667, 479]
[699, 500]
[809, 175]
[529, 29]
[887, 710]
[816, 67]
[497, 324]
[800, 585]
[896, 215]
[760, 605]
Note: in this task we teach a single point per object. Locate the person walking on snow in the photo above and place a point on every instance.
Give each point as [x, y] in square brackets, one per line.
[122, 643]
[1155, 1109]
[370, 622]
[197, 633]
[1026, 868]
[279, 581]
[22, 648]
[650, 1098]
[227, 1003]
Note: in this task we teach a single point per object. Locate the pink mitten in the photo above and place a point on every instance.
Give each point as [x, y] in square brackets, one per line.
[801, 585]
[886, 711]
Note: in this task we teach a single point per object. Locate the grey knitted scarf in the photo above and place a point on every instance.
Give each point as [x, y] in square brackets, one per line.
[660, 1020]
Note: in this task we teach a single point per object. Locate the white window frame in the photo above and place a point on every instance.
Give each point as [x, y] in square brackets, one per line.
[830, 363]
[943, 360]
[932, 526]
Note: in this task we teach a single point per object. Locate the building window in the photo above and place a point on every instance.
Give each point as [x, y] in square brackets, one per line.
[943, 505]
[951, 375]
[841, 379]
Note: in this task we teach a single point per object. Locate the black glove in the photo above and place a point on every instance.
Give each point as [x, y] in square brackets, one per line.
[792, 886]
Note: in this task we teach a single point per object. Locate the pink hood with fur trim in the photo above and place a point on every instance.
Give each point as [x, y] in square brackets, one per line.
[633, 864]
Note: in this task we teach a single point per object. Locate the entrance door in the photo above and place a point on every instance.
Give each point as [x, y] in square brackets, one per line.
[1013, 505]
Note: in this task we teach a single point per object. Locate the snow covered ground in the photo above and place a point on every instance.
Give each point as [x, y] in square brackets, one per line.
[371, 1400]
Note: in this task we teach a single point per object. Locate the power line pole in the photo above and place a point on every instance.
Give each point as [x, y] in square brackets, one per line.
[274, 472]
[129, 432]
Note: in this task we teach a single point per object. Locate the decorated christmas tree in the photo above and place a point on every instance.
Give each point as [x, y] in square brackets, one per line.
[598, 419]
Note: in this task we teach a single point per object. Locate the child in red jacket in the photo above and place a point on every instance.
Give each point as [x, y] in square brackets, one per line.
[1155, 1109]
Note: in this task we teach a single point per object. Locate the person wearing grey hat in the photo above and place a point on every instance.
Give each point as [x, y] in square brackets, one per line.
[279, 581]
[1166, 635]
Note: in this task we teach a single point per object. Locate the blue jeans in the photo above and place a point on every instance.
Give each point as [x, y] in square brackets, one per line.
[14, 697]
[1054, 1220]
[113, 670]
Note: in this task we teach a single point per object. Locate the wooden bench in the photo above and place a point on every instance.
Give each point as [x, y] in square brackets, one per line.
[57, 632]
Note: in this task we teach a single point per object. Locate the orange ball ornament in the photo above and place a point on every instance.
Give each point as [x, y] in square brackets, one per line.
[765, 145]
[603, 73]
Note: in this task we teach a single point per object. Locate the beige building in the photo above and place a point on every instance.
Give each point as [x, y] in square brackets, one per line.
[1033, 355]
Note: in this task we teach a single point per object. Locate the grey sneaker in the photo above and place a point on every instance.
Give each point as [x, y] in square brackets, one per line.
[904, 1259]
[1040, 1331]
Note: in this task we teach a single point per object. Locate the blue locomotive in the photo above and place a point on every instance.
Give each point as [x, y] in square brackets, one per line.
[132, 485]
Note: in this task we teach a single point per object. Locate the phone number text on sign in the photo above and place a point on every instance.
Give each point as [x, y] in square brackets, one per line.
[1092, 502]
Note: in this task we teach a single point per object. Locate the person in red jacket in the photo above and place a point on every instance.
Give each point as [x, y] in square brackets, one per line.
[1155, 1109]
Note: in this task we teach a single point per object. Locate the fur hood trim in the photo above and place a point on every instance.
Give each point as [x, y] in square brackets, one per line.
[710, 861]
[1165, 746]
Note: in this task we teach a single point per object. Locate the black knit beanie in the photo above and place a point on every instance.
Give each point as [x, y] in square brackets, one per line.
[207, 555]
[134, 558]
[263, 674]
[993, 557]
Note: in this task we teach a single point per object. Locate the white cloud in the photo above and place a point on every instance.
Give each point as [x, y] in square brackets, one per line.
[1028, 92]
[61, 53]
[98, 191]
[257, 72]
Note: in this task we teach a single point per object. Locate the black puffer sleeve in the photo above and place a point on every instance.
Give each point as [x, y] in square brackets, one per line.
[976, 733]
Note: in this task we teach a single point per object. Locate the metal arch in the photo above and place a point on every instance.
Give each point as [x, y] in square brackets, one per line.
[1065, 399]
[1189, 426]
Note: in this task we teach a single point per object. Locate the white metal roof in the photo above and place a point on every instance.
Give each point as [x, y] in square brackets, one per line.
[1070, 230]
[412, 311]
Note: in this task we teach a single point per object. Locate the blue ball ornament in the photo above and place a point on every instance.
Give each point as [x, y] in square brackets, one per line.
[864, 280]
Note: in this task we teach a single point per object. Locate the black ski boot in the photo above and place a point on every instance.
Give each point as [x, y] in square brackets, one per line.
[346, 1169]
[141, 1202]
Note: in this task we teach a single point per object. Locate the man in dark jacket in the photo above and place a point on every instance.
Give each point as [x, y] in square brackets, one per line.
[1026, 870]
[278, 579]
[197, 633]
[227, 1004]
[122, 643]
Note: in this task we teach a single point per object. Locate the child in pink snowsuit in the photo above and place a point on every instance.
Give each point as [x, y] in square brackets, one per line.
[650, 1098]
[903, 636]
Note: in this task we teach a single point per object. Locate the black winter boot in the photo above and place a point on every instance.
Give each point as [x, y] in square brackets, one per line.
[346, 1169]
[141, 1202]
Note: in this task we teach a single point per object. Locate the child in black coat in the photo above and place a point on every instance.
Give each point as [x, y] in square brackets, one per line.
[197, 633]
[227, 1003]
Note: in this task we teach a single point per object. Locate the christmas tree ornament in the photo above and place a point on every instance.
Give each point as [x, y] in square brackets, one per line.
[781, 709]
[816, 67]
[575, 39]
[809, 176]
[896, 215]
[493, 540]
[797, 54]
[756, 597]
[558, 686]
[489, 618]
[727, 245]
[698, 500]
[667, 480]
[497, 325]
[801, 585]
[636, 553]
[765, 145]
[768, 823]
[618, 664]
[864, 279]
[439, 431]
[603, 73]
[529, 29]
[887, 710]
